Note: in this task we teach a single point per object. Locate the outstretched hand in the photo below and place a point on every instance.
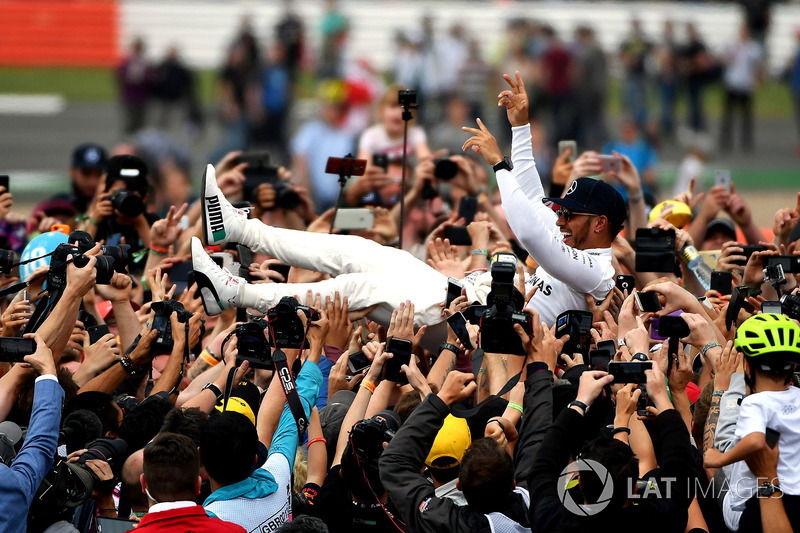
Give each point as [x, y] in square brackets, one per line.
[483, 143]
[515, 100]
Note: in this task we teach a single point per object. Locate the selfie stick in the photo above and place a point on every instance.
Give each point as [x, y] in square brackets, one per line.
[407, 99]
[345, 171]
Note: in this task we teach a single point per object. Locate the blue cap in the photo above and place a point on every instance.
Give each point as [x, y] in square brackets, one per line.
[588, 195]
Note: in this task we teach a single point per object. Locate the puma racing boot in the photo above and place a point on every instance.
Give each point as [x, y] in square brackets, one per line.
[219, 289]
[222, 223]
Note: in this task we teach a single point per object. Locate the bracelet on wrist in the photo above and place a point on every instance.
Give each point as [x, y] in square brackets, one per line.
[708, 346]
[479, 269]
[210, 360]
[620, 429]
[127, 364]
[717, 393]
[155, 250]
[316, 439]
[579, 404]
[502, 426]
[370, 386]
[480, 251]
[515, 406]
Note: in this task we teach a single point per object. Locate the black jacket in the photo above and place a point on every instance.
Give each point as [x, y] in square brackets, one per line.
[565, 438]
[414, 496]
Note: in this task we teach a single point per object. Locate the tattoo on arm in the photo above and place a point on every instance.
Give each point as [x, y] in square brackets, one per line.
[711, 423]
[198, 367]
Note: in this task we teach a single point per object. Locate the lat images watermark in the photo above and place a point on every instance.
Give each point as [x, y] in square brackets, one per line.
[570, 473]
[664, 487]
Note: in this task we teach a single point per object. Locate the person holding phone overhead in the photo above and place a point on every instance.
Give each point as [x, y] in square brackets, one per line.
[571, 245]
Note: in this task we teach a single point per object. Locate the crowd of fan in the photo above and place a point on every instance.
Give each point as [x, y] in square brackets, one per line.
[169, 428]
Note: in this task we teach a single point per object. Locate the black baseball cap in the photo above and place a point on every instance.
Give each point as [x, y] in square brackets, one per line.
[90, 156]
[588, 195]
[721, 224]
[128, 168]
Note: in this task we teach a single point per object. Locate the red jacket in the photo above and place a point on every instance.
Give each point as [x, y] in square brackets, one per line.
[192, 519]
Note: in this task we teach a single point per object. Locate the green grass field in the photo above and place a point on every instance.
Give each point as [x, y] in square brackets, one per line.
[97, 84]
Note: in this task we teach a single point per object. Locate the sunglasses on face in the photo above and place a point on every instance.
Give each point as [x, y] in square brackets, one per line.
[566, 214]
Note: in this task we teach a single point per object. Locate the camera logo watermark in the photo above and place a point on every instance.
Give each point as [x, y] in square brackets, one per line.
[570, 473]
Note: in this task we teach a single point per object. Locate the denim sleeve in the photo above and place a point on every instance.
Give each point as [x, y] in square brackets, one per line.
[19, 484]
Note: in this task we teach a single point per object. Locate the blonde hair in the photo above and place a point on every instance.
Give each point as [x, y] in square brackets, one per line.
[300, 470]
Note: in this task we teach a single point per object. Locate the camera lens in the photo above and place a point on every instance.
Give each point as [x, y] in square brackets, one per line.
[285, 196]
[105, 269]
[445, 169]
[121, 255]
[127, 203]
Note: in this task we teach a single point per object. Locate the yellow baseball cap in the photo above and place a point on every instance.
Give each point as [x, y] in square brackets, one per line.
[450, 444]
[237, 405]
[676, 213]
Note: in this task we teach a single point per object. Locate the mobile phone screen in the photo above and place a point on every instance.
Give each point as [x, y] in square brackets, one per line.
[401, 355]
[647, 302]
[630, 371]
[358, 362]
[599, 359]
[14, 350]
[458, 324]
[457, 235]
[453, 291]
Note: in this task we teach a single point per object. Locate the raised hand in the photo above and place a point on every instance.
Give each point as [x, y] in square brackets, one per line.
[444, 258]
[165, 232]
[515, 100]
[483, 143]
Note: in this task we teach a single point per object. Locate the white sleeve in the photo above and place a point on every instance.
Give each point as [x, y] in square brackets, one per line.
[752, 416]
[277, 465]
[534, 224]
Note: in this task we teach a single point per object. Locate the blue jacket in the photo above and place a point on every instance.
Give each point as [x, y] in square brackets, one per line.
[18, 483]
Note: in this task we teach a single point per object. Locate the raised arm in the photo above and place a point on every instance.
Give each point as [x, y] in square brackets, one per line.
[533, 223]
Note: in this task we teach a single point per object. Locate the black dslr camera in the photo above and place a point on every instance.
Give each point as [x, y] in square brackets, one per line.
[127, 203]
[112, 259]
[161, 322]
[790, 306]
[286, 328]
[68, 485]
[368, 436]
[252, 344]
[259, 171]
[504, 309]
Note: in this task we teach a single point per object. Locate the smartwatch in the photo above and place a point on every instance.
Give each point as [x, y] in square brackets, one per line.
[504, 164]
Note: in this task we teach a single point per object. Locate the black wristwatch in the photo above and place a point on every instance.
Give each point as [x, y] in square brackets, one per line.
[504, 164]
[448, 346]
[580, 404]
[213, 388]
[767, 489]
